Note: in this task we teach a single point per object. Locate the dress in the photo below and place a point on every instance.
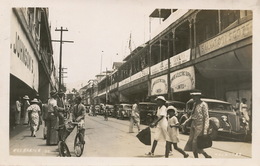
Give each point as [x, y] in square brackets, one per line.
[34, 111]
[173, 132]
[52, 123]
[199, 111]
[161, 128]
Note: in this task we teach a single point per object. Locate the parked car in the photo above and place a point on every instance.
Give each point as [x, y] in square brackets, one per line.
[123, 111]
[223, 118]
[147, 112]
[180, 106]
[110, 109]
[97, 109]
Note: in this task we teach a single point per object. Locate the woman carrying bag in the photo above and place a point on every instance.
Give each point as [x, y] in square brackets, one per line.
[199, 125]
[161, 124]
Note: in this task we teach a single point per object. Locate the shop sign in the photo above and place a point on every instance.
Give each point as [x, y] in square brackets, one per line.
[159, 67]
[134, 77]
[159, 85]
[180, 58]
[24, 64]
[183, 79]
[241, 32]
[113, 86]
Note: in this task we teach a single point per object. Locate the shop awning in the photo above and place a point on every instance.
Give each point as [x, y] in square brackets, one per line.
[237, 62]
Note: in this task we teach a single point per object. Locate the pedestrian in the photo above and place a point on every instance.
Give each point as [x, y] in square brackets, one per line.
[44, 118]
[160, 123]
[244, 109]
[199, 124]
[236, 107]
[34, 113]
[18, 111]
[61, 107]
[173, 132]
[106, 113]
[26, 104]
[52, 120]
[37, 96]
[135, 117]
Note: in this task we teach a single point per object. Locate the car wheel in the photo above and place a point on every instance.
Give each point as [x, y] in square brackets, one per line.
[213, 132]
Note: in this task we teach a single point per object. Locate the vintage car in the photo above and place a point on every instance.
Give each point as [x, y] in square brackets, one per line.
[97, 109]
[222, 117]
[110, 109]
[123, 111]
[147, 112]
[180, 106]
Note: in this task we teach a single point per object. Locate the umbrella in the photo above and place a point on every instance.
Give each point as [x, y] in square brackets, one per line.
[145, 136]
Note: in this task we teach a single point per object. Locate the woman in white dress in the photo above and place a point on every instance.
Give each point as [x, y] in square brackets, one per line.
[160, 123]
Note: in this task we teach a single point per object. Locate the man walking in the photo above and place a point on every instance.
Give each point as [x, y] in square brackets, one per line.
[135, 117]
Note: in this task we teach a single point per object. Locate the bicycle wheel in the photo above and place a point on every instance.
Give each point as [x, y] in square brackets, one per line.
[63, 149]
[79, 144]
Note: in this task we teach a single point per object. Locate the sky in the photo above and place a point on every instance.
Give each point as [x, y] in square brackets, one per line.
[98, 29]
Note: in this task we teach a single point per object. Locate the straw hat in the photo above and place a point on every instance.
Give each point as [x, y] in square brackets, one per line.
[160, 98]
[171, 108]
[34, 100]
[26, 97]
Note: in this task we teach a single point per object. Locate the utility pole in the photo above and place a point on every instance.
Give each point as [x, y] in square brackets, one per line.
[61, 42]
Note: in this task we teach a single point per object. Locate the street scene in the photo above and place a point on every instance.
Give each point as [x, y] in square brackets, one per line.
[160, 82]
[112, 139]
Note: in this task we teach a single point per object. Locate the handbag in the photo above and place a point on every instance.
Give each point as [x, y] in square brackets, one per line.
[204, 141]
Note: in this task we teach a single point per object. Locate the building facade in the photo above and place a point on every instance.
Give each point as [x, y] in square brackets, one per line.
[32, 66]
[210, 50]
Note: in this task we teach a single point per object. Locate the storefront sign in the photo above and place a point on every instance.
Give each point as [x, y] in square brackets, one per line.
[134, 77]
[159, 67]
[183, 79]
[229, 37]
[180, 58]
[24, 64]
[159, 85]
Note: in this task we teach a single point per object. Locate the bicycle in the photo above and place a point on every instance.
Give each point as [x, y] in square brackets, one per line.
[64, 131]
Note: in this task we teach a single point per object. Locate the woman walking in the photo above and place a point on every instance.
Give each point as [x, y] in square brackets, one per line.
[160, 123]
[199, 124]
[34, 112]
[26, 104]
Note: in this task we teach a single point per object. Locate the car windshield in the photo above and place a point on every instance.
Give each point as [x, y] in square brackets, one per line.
[219, 106]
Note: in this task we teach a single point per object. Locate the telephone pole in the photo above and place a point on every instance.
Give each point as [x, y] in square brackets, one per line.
[61, 42]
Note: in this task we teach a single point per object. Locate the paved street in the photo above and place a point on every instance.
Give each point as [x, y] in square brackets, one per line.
[111, 139]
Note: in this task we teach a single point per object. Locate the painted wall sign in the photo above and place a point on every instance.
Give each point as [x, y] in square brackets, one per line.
[134, 77]
[183, 79]
[161, 66]
[180, 58]
[159, 85]
[24, 64]
[241, 32]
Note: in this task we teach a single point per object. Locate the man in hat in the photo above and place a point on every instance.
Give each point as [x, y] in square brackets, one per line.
[26, 104]
[160, 123]
[61, 107]
[199, 124]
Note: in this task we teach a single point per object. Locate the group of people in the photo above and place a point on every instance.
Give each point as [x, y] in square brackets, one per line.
[167, 126]
[28, 112]
[50, 114]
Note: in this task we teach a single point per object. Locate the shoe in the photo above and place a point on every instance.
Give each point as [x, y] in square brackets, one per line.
[186, 155]
[131, 132]
[149, 154]
[208, 156]
[170, 153]
[139, 130]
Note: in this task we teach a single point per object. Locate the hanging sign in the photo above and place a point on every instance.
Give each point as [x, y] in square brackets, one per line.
[159, 85]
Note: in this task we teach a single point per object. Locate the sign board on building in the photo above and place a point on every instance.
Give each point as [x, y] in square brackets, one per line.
[241, 32]
[24, 64]
[183, 79]
[134, 77]
[180, 58]
[159, 85]
[159, 67]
